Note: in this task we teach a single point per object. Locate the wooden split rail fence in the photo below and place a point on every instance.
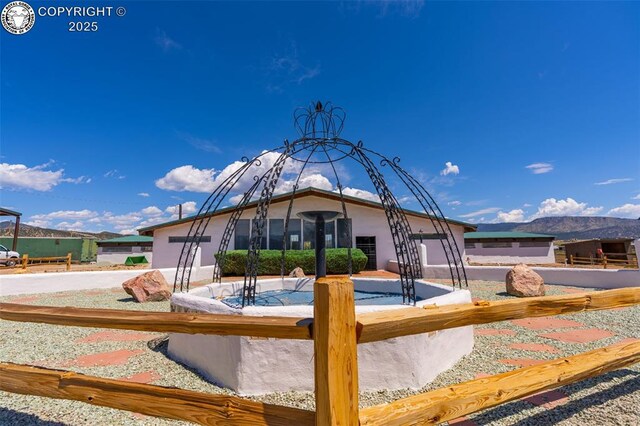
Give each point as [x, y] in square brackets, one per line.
[604, 261]
[336, 331]
[26, 261]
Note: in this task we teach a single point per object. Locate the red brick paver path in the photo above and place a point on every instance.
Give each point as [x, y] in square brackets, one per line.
[545, 322]
[144, 377]
[104, 358]
[535, 347]
[548, 399]
[522, 362]
[493, 332]
[579, 336]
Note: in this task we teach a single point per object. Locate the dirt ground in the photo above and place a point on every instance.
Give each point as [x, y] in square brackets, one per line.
[61, 267]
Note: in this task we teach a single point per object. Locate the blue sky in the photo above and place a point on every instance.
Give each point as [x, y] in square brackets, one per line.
[505, 111]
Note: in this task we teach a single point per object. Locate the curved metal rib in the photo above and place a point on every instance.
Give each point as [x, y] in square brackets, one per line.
[253, 255]
[406, 250]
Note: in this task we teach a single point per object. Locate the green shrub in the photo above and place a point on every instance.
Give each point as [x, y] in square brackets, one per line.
[269, 262]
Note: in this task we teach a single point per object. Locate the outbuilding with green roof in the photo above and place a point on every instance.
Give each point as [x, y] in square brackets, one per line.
[507, 248]
[117, 250]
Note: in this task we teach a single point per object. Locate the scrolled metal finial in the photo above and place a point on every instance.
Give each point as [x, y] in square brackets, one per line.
[244, 159]
[319, 120]
[396, 160]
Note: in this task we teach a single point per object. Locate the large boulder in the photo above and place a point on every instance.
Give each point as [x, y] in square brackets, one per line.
[523, 281]
[297, 273]
[148, 287]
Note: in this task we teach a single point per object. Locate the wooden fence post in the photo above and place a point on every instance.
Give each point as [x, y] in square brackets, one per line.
[604, 262]
[25, 260]
[335, 350]
[571, 259]
[68, 261]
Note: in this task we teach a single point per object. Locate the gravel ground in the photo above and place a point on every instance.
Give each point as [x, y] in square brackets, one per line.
[611, 399]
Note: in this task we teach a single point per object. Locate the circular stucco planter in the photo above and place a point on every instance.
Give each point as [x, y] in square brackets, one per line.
[251, 365]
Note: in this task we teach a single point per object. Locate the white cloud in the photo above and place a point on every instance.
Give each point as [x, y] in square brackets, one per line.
[450, 168]
[166, 42]
[631, 211]
[637, 197]
[454, 203]
[66, 214]
[205, 145]
[151, 211]
[187, 208]
[70, 226]
[315, 180]
[130, 231]
[516, 215]
[188, 178]
[39, 223]
[540, 168]
[613, 181]
[568, 207]
[81, 179]
[114, 174]
[19, 176]
[488, 210]
[361, 193]
[143, 194]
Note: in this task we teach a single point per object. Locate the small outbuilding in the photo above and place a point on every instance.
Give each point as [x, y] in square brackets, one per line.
[612, 248]
[117, 250]
[508, 248]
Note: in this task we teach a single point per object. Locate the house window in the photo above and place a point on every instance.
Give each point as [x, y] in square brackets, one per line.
[497, 244]
[242, 233]
[534, 244]
[203, 239]
[309, 229]
[343, 232]
[294, 235]
[276, 233]
[117, 249]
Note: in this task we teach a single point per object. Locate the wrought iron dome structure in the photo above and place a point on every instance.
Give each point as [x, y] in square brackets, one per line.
[319, 142]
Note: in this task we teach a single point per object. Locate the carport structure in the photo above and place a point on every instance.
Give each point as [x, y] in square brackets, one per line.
[7, 212]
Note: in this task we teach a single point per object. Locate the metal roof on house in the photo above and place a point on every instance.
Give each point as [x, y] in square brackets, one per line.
[302, 193]
[129, 239]
[512, 235]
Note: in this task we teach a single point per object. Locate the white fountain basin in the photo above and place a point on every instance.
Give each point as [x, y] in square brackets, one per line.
[256, 365]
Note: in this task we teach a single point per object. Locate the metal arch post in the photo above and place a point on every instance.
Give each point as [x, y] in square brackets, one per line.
[253, 254]
[400, 229]
[207, 209]
[344, 213]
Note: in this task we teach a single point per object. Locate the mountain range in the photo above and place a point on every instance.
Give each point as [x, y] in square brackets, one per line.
[563, 228]
[572, 227]
[7, 227]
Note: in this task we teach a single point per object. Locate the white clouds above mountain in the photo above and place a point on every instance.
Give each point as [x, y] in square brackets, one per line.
[36, 178]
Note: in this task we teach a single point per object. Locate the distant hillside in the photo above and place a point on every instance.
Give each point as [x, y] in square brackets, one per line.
[6, 230]
[573, 227]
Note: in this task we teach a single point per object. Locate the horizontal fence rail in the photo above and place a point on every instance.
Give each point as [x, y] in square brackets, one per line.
[179, 404]
[382, 325]
[225, 325]
[457, 400]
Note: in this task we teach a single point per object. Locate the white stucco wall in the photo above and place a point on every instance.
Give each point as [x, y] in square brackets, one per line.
[598, 278]
[259, 365]
[366, 222]
[511, 255]
[84, 280]
[120, 258]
